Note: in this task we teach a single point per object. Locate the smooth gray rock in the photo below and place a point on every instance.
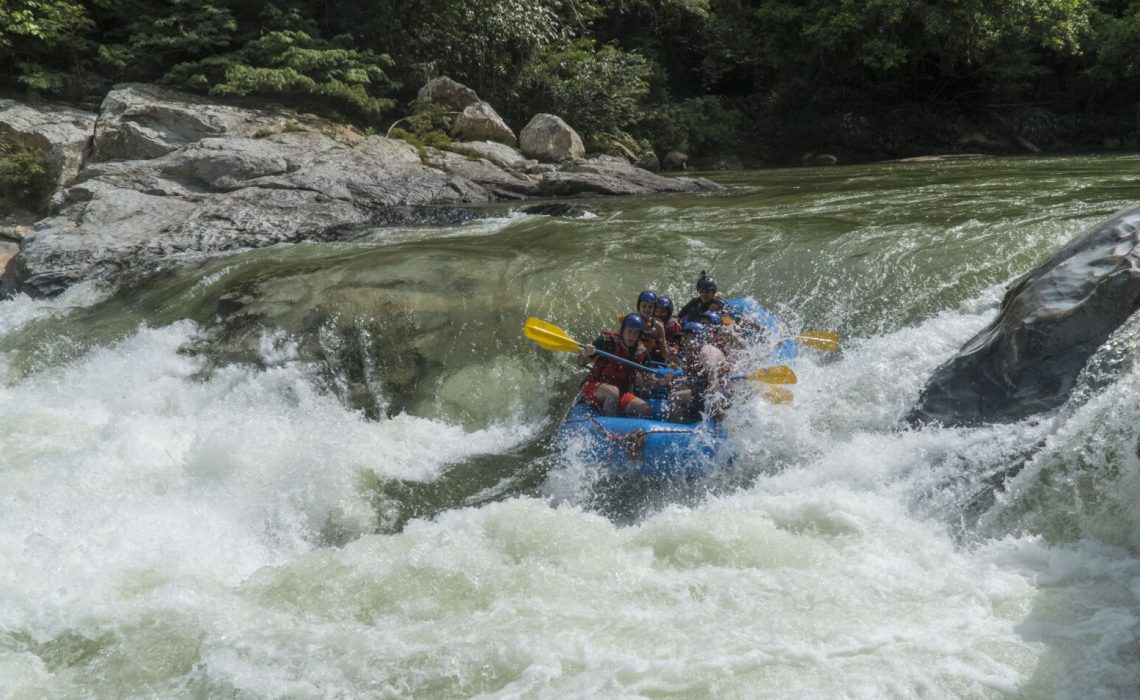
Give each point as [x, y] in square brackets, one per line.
[1051, 321]
[621, 169]
[500, 154]
[62, 134]
[648, 161]
[174, 176]
[563, 184]
[138, 121]
[227, 193]
[452, 96]
[548, 139]
[483, 172]
[480, 122]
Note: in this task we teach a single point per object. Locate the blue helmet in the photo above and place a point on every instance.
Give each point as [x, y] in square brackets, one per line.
[632, 321]
[705, 282]
[647, 296]
[713, 317]
[693, 328]
[665, 303]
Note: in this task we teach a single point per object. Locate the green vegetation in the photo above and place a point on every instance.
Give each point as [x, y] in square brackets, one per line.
[24, 178]
[762, 79]
[422, 129]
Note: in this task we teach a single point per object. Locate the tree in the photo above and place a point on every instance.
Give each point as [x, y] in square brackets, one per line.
[42, 39]
[594, 89]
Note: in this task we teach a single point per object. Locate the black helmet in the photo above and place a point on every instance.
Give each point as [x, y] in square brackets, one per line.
[705, 282]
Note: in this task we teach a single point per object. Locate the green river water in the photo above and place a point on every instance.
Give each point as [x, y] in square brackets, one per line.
[326, 470]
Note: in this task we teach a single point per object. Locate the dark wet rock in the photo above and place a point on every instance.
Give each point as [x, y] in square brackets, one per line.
[567, 209]
[1051, 321]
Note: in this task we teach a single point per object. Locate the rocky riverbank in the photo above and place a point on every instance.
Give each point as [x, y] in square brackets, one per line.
[159, 176]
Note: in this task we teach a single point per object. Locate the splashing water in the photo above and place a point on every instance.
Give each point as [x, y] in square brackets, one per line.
[325, 471]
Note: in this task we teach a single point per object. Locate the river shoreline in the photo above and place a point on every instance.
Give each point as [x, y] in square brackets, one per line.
[159, 175]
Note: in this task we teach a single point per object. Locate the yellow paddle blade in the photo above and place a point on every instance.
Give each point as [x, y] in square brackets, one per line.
[828, 341]
[556, 347]
[549, 336]
[779, 374]
[778, 394]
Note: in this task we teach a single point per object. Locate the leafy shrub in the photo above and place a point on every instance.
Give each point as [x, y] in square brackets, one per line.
[42, 44]
[593, 89]
[700, 126]
[423, 129]
[24, 178]
[293, 63]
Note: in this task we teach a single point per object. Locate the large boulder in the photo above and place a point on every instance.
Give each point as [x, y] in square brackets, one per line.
[648, 161]
[138, 121]
[479, 122]
[226, 193]
[675, 160]
[548, 139]
[1051, 321]
[61, 134]
[447, 94]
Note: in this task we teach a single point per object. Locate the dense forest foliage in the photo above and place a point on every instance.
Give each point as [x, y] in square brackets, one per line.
[765, 80]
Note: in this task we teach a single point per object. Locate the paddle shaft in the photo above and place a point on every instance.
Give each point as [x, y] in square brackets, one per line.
[658, 372]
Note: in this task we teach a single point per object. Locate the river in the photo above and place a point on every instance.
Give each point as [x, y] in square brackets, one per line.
[325, 471]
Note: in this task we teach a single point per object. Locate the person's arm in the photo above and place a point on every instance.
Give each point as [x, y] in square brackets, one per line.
[587, 352]
[688, 308]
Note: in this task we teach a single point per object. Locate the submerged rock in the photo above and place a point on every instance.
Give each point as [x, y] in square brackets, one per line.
[1051, 321]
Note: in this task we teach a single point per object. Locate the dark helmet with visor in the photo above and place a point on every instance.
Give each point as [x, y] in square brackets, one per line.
[705, 283]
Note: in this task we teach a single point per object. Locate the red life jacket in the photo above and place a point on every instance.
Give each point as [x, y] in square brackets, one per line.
[612, 372]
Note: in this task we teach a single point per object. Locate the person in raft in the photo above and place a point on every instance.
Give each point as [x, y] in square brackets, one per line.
[664, 314]
[653, 337]
[609, 385]
[706, 292]
[705, 370]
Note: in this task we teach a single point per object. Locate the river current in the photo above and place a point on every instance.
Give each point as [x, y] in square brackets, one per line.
[326, 471]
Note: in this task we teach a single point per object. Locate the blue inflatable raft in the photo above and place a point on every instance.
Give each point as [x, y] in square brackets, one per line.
[654, 446]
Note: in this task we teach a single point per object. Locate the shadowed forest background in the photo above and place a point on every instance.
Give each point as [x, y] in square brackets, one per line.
[731, 82]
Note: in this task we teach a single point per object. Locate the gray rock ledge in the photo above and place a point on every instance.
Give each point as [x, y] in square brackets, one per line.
[173, 176]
